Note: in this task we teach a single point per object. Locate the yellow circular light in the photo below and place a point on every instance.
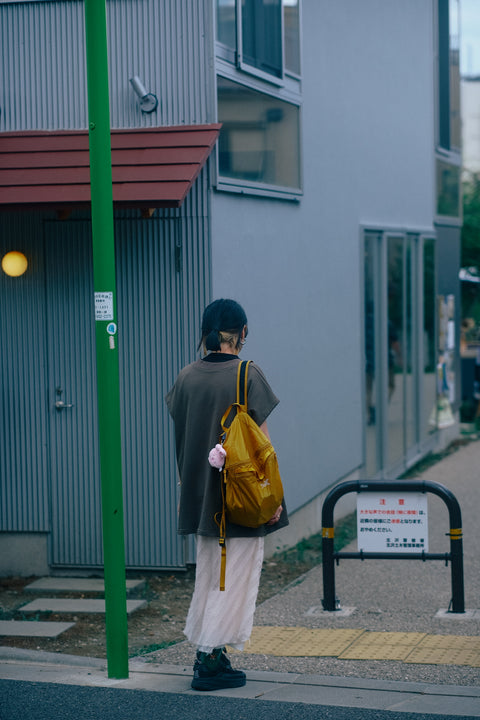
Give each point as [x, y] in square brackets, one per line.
[14, 263]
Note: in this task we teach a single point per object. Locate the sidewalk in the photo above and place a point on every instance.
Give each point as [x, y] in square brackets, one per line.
[445, 700]
[393, 646]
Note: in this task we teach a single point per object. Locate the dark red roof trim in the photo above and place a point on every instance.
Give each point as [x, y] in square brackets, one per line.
[151, 167]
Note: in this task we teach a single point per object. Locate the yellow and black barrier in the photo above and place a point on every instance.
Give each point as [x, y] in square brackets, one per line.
[329, 556]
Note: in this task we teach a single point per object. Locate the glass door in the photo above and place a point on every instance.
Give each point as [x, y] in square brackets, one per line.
[429, 362]
[372, 352]
[395, 350]
[400, 349]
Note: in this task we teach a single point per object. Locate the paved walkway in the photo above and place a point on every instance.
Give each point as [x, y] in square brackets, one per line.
[393, 646]
[414, 697]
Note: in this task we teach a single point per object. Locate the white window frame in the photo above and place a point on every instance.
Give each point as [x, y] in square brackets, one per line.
[235, 56]
[287, 88]
[223, 183]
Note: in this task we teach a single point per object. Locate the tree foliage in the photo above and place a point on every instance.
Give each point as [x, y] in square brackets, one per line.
[471, 223]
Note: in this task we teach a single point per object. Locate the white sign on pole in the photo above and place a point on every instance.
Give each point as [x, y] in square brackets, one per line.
[392, 522]
[104, 306]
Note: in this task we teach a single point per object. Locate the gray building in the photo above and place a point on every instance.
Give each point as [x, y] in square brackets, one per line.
[470, 98]
[329, 207]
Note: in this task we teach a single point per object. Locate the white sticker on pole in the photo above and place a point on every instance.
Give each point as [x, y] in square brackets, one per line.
[104, 306]
[392, 522]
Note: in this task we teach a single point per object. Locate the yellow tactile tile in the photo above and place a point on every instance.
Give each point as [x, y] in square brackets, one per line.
[300, 642]
[451, 641]
[392, 638]
[382, 646]
[447, 650]
[444, 656]
[358, 644]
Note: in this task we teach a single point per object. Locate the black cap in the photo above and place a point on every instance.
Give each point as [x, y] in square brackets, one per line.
[221, 315]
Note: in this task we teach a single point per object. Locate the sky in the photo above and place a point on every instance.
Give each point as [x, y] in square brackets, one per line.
[470, 37]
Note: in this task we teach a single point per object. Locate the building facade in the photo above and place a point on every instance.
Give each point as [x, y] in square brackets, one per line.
[329, 207]
[470, 98]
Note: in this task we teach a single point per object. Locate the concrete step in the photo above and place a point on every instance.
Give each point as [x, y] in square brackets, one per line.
[74, 606]
[73, 585]
[31, 628]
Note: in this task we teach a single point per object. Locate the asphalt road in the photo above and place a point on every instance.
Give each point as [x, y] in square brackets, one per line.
[47, 701]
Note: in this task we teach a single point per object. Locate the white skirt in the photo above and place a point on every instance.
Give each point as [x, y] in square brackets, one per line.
[216, 618]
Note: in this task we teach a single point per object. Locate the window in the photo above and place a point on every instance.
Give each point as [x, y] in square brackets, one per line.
[291, 33]
[449, 130]
[259, 140]
[448, 160]
[260, 36]
[227, 26]
[259, 96]
[400, 348]
[448, 189]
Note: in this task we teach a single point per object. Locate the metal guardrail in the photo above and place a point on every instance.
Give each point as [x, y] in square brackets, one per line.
[455, 555]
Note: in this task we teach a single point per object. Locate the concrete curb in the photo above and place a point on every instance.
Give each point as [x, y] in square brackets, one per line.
[446, 700]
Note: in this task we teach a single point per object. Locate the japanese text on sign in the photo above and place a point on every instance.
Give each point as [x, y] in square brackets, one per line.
[104, 306]
[392, 522]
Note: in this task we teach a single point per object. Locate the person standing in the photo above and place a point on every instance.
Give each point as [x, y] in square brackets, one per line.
[196, 402]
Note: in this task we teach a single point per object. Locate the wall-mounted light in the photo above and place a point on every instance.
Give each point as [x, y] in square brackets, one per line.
[148, 101]
[14, 263]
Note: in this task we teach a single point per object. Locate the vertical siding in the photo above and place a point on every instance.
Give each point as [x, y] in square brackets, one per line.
[163, 281]
[42, 72]
[23, 431]
[196, 265]
[162, 290]
[159, 303]
[150, 360]
[73, 439]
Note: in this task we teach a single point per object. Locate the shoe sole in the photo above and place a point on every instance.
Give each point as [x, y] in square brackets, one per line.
[210, 684]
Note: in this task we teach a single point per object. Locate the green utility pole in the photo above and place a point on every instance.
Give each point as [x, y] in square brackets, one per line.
[106, 338]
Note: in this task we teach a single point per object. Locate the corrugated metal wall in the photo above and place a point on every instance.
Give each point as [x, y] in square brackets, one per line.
[24, 496]
[74, 475]
[163, 279]
[151, 355]
[43, 83]
[49, 469]
[42, 73]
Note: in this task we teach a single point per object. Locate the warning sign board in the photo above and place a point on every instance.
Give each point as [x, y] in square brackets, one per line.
[392, 522]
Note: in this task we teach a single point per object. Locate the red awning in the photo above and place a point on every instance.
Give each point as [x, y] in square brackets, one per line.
[151, 167]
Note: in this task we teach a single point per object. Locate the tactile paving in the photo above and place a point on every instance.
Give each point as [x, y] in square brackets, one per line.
[358, 644]
[444, 656]
[451, 641]
[382, 646]
[300, 642]
[447, 650]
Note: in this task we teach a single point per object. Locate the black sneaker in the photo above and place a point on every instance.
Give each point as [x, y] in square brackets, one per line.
[226, 664]
[222, 677]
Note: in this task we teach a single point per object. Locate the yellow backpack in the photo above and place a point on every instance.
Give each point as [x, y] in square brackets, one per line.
[251, 486]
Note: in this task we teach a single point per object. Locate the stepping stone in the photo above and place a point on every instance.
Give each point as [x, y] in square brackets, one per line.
[26, 628]
[59, 605]
[82, 585]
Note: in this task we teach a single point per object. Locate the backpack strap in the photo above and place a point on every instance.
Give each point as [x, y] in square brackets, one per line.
[242, 375]
[222, 539]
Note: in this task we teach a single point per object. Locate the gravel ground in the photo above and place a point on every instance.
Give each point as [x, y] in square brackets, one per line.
[401, 596]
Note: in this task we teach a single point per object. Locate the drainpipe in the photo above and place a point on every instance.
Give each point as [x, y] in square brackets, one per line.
[106, 338]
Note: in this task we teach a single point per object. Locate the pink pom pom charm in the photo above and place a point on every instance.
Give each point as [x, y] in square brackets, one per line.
[216, 457]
